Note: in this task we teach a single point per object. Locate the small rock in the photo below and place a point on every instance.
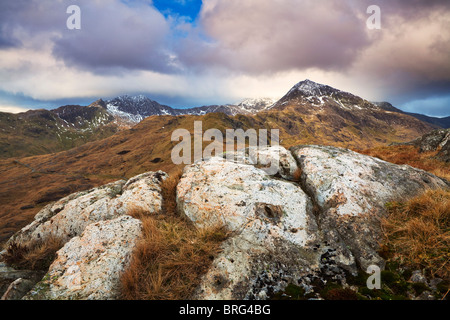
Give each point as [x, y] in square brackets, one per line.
[18, 289]
[426, 295]
[418, 277]
[434, 283]
[8, 275]
[264, 157]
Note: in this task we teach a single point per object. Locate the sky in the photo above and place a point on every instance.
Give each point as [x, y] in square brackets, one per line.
[187, 53]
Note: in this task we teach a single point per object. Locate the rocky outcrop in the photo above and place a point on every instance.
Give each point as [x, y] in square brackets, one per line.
[98, 235]
[352, 190]
[444, 153]
[89, 267]
[322, 228]
[433, 140]
[316, 219]
[69, 216]
[271, 221]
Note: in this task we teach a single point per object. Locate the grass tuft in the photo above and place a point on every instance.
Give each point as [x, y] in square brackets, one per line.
[36, 255]
[168, 262]
[297, 176]
[168, 192]
[417, 232]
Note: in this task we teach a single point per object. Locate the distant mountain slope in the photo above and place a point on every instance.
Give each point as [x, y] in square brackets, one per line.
[318, 112]
[317, 96]
[315, 112]
[440, 122]
[45, 131]
[136, 108]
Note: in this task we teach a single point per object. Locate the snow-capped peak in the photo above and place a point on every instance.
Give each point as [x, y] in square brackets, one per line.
[308, 87]
[257, 104]
[319, 95]
[135, 99]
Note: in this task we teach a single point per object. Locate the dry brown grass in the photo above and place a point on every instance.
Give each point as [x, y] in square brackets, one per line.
[297, 176]
[170, 259]
[37, 255]
[168, 192]
[417, 232]
[410, 155]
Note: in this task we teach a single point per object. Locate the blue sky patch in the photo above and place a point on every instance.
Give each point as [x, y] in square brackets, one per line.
[187, 8]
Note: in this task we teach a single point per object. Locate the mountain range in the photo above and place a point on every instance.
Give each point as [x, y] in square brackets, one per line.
[46, 131]
[136, 108]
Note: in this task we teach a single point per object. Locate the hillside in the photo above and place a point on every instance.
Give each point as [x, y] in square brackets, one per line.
[29, 183]
[47, 131]
[309, 114]
[443, 122]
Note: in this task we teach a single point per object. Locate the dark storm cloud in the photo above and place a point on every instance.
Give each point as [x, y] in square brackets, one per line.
[411, 8]
[7, 41]
[410, 55]
[7, 9]
[434, 106]
[420, 96]
[262, 36]
[113, 34]
[252, 36]
[117, 36]
[265, 36]
[21, 18]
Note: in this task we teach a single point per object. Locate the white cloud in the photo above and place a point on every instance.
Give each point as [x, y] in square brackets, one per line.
[238, 49]
[12, 109]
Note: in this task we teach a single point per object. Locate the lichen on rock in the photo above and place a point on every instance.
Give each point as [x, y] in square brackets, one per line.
[89, 266]
[352, 190]
[69, 216]
[265, 216]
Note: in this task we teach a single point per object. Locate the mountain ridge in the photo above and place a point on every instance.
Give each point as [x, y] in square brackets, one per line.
[443, 122]
[137, 108]
[305, 109]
